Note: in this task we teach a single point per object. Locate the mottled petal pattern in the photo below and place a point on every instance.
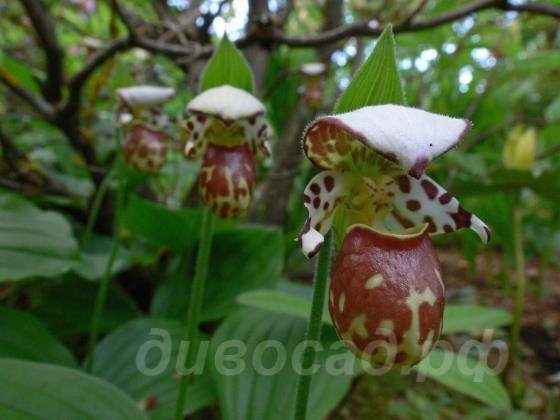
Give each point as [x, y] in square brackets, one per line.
[406, 136]
[227, 179]
[321, 197]
[386, 296]
[193, 134]
[420, 201]
[257, 133]
[144, 148]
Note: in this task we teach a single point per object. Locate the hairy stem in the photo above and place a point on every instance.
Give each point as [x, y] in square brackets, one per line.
[322, 269]
[195, 304]
[520, 279]
[104, 286]
[96, 206]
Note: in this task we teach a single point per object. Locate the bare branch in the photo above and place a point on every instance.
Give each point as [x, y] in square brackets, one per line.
[77, 81]
[36, 102]
[46, 35]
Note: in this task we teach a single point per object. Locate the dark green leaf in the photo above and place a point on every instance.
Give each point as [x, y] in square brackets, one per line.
[67, 307]
[33, 242]
[40, 391]
[140, 343]
[22, 336]
[377, 81]
[227, 66]
[242, 259]
[165, 227]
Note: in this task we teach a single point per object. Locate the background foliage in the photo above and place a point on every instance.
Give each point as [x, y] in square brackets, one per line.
[493, 62]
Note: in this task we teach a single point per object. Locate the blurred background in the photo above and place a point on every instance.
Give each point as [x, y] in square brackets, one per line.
[496, 63]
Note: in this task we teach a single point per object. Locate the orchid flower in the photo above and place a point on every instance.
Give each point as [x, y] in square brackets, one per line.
[144, 147]
[227, 128]
[386, 283]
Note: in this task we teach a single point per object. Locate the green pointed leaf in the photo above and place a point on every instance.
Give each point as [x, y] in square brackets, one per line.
[23, 336]
[40, 391]
[118, 356]
[227, 66]
[264, 387]
[456, 318]
[279, 302]
[466, 375]
[377, 81]
[473, 318]
[33, 242]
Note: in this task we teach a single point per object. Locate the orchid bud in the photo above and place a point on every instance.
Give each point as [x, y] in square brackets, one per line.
[519, 149]
[312, 87]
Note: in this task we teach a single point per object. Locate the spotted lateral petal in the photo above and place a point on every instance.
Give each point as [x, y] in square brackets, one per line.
[257, 133]
[227, 179]
[420, 201]
[321, 196]
[406, 136]
[193, 134]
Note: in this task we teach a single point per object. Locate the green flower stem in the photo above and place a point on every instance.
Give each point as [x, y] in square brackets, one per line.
[322, 269]
[521, 281]
[195, 304]
[96, 206]
[104, 286]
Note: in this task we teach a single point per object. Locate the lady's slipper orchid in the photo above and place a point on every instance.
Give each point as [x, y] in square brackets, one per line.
[144, 147]
[386, 294]
[228, 129]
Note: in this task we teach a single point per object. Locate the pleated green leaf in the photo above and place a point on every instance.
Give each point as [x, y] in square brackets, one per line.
[33, 242]
[140, 358]
[33, 390]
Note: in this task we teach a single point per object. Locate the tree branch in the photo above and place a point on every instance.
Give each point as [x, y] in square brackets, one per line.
[36, 102]
[46, 35]
[370, 28]
[77, 81]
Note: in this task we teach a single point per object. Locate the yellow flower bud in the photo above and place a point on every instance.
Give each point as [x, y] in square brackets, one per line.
[519, 149]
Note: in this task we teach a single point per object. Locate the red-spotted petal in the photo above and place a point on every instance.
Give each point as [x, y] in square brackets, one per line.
[227, 179]
[420, 201]
[257, 133]
[321, 197]
[406, 136]
[193, 135]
